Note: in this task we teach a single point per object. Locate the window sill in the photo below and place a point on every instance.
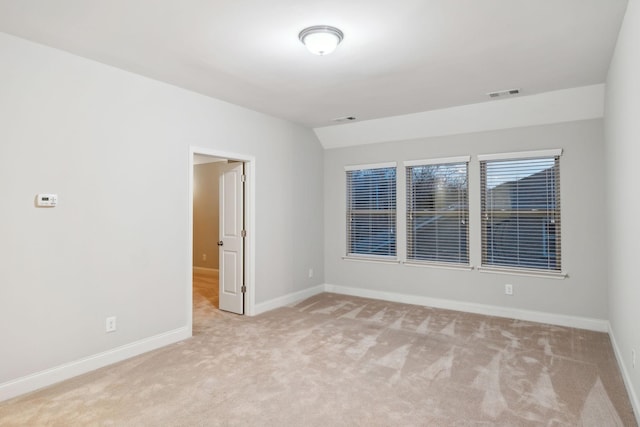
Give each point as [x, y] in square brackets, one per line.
[523, 272]
[375, 260]
[438, 265]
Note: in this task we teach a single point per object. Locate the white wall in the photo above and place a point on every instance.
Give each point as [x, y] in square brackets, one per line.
[622, 131]
[115, 147]
[583, 294]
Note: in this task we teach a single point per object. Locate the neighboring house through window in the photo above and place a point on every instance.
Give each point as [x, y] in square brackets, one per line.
[438, 210]
[371, 210]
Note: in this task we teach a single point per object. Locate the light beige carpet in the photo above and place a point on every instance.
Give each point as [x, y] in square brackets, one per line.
[205, 296]
[335, 360]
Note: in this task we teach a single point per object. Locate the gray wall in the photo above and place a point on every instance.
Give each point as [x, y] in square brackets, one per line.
[206, 206]
[583, 293]
[622, 126]
[115, 147]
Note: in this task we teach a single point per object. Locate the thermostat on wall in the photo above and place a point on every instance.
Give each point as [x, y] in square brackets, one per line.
[47, 200]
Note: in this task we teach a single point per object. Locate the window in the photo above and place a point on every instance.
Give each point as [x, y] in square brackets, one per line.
[438, 211]
[521, 210]
[371, 210]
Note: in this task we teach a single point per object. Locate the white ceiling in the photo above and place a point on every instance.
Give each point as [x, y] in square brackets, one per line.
[201, 159]
[397, 57]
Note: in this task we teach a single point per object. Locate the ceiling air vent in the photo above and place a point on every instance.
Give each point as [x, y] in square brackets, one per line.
[503, 93]
[344, 119]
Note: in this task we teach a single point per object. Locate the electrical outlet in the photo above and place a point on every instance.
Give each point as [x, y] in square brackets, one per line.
[110, 324]
[204, 257]
[310, 273]
[508, 289]
[633, 358]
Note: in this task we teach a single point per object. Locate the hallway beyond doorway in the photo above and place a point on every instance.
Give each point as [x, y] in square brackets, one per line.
[205, 298]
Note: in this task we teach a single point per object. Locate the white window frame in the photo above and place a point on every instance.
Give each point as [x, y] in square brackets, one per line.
[408, 198]
[519, 270]
[370, 257]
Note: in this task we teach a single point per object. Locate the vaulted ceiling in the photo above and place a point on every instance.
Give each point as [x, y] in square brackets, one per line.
[397, 57]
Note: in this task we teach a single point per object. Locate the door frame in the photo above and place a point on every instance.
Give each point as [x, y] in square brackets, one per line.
[250, 226]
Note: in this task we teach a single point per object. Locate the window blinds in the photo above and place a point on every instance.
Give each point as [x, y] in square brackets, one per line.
[438, 212]
[371, 211]
[521, 213]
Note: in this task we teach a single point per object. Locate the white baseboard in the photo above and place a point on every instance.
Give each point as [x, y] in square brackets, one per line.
[598, 325]
[287, 299]
[635, 403]
[63, 372]
[205, 270]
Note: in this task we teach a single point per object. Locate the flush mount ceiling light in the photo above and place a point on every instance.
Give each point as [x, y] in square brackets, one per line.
[321, 39]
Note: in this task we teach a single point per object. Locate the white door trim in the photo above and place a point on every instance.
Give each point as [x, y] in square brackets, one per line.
[250, 218]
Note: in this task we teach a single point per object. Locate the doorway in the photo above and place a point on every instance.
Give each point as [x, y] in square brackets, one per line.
[221, 244]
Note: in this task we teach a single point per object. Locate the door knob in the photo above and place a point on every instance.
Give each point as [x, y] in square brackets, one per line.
[220, 243]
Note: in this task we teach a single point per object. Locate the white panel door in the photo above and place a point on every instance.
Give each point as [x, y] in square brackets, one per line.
[231, 244]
